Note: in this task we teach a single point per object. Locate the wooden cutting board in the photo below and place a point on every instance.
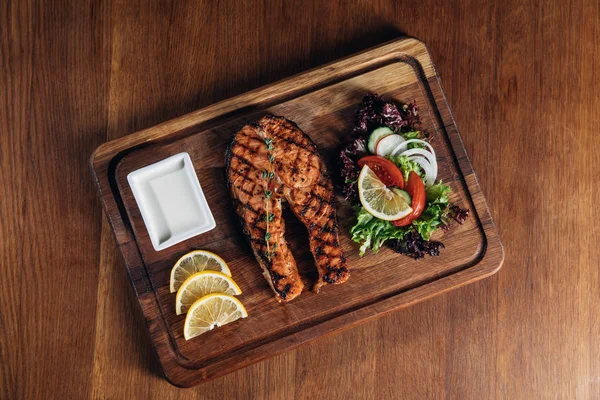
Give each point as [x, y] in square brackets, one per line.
[322, 102]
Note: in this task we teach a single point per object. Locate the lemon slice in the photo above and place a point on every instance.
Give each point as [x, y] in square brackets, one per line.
[196, 261]
[385, 203]
[200, 284]
[212, 310]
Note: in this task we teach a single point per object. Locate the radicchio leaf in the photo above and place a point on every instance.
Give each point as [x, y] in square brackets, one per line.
[349, 170]
[460, 215]
[375, 112]
[413, 245]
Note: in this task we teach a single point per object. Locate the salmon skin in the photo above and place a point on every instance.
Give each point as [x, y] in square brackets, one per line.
[271, 161]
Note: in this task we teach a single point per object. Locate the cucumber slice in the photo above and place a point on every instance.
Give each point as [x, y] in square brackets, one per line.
[388, 144]
[404, 195]
[376, 135]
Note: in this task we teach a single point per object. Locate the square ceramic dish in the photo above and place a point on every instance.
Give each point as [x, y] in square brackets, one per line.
[171, 201]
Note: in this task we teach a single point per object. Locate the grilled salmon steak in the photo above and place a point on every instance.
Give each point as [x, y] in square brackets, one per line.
[269, 161]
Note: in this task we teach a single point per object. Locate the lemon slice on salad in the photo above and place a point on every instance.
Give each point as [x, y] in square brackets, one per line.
[196, 261]
[200, 284]
[388, 204]
[212, 310]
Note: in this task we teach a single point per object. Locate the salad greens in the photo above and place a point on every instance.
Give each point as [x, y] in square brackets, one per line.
[436, 212]
[371, 232]
[406, 165]
[411, 134]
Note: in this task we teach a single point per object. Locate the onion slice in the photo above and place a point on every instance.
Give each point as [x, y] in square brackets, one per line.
[423, 153]
[425, 158]
[403, 146]
[427, 168]
[387, 144]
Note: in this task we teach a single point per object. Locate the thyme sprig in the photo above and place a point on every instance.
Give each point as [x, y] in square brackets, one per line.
[269, 175]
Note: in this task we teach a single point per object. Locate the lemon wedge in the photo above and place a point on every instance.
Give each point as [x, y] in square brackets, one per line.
[196, 261]
[201, 284]
[212, 310]
[383, 202]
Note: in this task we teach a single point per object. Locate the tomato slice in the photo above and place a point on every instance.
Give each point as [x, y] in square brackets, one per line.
[385, 170]
[416, 189]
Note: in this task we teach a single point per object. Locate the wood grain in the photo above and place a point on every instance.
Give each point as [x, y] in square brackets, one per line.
[522, 81]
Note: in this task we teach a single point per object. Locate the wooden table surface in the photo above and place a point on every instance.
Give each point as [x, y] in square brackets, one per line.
[523, 79]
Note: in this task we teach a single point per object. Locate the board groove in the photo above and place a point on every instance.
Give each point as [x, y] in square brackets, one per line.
[473, 252]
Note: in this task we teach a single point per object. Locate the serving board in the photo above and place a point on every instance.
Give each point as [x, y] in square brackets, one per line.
[322, 102]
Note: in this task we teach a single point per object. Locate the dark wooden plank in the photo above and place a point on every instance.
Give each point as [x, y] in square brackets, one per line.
[547, 295]
[53, 109]
[518, 76]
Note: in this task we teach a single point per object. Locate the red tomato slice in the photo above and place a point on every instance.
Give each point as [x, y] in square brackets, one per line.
[416, 189]
[385, 170]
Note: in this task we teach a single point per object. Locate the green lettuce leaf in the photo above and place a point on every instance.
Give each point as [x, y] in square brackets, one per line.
[406, 165]
[371, 232]
[429, 221]
[438, 193]
[414, 134]
[435, 212]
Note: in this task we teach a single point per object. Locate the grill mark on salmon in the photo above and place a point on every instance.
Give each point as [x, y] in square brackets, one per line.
[300, 179]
